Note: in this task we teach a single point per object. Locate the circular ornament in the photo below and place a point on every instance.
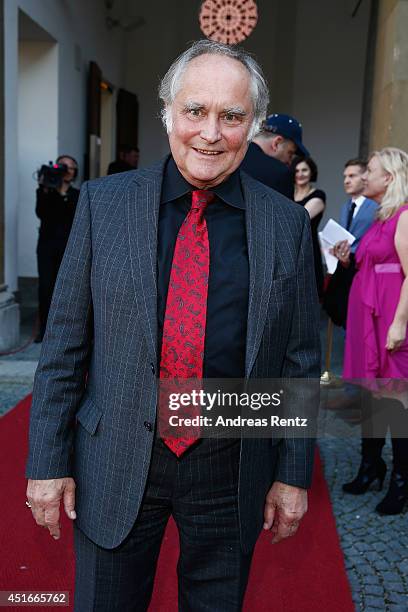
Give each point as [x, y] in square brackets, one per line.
[228, 21]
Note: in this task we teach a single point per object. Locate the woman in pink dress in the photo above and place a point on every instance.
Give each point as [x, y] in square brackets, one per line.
[376, 337]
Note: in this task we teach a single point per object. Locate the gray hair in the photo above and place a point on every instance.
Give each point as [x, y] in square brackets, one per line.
[171, 81]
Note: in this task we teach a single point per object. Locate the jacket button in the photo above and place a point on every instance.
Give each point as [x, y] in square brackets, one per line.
[152, 369]
[148, 425]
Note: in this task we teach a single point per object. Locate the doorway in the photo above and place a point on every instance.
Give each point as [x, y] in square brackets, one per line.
[107, 127]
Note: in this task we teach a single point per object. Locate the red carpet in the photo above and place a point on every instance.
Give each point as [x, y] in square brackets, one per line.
[302, 574]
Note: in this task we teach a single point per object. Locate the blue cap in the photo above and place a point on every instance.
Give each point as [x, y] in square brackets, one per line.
[288, 127]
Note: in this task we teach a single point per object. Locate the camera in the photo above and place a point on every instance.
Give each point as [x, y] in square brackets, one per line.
[51, 175]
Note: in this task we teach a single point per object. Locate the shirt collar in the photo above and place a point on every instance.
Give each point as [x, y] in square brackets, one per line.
[358, 201]
[175, 185]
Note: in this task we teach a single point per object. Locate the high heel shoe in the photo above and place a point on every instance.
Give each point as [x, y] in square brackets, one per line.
[369, 472]
[397, 496]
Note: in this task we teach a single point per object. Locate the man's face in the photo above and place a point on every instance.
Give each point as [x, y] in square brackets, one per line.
[353, 180]
[211, 117]
[283, 149]
[132, 158]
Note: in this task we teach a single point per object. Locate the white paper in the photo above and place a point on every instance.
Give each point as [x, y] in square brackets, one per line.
[333, 232]
[331, 260]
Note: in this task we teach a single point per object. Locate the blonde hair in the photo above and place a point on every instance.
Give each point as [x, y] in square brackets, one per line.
[395, 162]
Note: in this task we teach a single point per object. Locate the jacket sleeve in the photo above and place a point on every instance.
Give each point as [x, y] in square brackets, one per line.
[60, 377]
[302, 361]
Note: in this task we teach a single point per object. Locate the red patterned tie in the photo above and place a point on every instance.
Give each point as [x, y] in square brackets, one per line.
[186, 309]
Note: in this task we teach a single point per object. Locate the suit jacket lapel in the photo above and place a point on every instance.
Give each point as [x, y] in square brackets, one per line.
[143, 202]
[260, 227]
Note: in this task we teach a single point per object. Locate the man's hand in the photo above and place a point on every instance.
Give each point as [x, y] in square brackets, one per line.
[44, 497]
[284, 507]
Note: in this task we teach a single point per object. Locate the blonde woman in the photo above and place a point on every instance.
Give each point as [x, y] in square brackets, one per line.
[376, 338]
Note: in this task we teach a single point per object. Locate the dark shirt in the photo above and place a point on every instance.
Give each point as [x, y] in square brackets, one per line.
[119, 166]
[268, 170]
[56, 212]
[227, 304]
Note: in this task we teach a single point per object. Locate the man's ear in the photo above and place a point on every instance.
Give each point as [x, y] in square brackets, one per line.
[274, 142]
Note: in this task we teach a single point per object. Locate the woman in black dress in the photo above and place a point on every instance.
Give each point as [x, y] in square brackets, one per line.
[314, 200]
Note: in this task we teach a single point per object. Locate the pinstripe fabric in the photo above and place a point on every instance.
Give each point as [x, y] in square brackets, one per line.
[201, 493]
[103, 321]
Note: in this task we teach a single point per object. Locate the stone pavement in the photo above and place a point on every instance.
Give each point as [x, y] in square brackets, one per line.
[375, 548]
[17, 373]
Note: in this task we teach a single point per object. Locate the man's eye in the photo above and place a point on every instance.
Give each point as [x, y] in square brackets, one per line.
[230, 117]
[195, 112]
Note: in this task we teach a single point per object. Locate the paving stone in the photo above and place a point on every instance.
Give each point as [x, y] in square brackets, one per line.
[396, 588]
[374, 602]
[370, 579]
[363, 546]
[11, 394]
[366, 570]
[394, 557]
[375, 591]
[381, 565]
[372, 556]
[398, 598]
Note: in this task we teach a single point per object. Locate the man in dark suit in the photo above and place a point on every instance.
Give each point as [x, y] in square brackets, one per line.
[272, 150]
[356, 216]
[189, 268]
[128, 159]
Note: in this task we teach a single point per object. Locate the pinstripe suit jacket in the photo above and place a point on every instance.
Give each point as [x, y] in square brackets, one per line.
[103, 321]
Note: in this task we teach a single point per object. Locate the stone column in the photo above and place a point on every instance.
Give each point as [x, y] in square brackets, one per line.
[2, 234]
[389, 125]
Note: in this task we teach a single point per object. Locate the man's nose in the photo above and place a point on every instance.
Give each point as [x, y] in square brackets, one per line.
[210, 131]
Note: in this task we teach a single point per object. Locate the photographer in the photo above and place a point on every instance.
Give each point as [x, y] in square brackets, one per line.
[55, 207]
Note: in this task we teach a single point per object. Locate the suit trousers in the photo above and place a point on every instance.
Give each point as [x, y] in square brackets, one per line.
[200, 490]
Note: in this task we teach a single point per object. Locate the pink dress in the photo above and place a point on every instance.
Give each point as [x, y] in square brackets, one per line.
[373, 300]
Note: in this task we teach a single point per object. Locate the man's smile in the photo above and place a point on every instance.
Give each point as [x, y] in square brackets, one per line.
[207, 151]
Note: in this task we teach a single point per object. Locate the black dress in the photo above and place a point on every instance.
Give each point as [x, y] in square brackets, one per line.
[317, 193]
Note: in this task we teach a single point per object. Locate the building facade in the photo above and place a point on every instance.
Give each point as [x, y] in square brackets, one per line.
[339, 67]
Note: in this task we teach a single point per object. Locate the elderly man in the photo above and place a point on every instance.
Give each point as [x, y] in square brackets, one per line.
[188, 268]
[272, 150]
